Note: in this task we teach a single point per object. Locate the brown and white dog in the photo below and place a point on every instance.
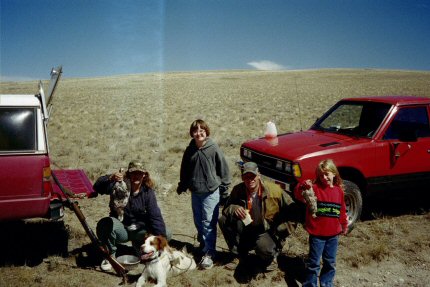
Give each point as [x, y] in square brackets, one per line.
[162, 261]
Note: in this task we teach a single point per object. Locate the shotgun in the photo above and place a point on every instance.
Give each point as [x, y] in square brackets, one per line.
[74, 206]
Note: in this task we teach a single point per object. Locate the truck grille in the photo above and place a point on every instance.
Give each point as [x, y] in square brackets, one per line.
[277, 169]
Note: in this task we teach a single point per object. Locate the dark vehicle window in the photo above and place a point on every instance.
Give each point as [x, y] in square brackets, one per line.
[409, 123]
[17, 129]
[360, 119]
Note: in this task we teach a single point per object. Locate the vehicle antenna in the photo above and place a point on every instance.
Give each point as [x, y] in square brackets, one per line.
[298, 104]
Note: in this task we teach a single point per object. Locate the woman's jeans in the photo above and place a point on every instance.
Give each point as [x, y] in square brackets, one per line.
[111, 231]
[205, 208]
[325, 247]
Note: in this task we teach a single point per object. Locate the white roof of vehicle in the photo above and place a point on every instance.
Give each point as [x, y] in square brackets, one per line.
[19, 100]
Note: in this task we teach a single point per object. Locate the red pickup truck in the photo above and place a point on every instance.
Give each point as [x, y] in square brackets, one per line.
[379, 144]
[27, 189]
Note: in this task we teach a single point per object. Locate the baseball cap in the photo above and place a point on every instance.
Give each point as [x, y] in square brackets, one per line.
[250, 167]
[135, 166]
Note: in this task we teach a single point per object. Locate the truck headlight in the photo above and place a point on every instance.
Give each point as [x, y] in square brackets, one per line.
[279, 164]
[288, 167]
[247, 153]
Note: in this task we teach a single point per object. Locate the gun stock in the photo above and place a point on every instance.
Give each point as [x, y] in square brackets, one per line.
[73, 205]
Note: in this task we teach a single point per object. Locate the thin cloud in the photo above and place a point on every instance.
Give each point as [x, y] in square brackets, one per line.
[266, 65]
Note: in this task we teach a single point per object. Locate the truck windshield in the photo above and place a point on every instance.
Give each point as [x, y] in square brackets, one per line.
[17, 129]
[359, 119]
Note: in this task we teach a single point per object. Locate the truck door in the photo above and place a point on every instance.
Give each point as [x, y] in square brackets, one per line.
[408, 137]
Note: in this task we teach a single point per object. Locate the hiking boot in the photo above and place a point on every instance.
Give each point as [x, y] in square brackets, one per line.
[206, 262]
[232, 265]
[106, 266]
[272, 266]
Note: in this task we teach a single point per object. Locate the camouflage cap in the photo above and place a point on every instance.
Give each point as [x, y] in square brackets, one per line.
[250, 167]
[135, 166]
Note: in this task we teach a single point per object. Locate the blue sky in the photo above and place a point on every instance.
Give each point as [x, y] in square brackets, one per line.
[109, 37]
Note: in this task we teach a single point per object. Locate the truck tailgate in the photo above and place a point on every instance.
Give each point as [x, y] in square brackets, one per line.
[74, 180]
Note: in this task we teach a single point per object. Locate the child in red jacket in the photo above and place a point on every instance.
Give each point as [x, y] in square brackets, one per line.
[329, 222]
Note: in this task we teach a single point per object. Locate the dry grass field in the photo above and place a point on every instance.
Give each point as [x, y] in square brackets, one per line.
[100, 124]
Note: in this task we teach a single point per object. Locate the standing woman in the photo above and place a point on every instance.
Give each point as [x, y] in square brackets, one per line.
[205, 172]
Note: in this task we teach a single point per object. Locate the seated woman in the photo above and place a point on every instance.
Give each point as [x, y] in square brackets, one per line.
[141, 213]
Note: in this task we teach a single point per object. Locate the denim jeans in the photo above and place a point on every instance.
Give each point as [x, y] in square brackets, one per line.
[111, 231]
[205, 212]
[325, 247]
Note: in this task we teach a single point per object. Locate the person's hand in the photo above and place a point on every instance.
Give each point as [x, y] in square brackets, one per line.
[179, 190]
[345, 230]
[132, 227]
[240, 212]
[307, 184]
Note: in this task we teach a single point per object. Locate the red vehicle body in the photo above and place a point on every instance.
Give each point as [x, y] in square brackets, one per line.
[378, 144]
[27, 189]
[27, 193]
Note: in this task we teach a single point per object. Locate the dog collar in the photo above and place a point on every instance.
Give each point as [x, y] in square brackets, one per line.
[156, 259]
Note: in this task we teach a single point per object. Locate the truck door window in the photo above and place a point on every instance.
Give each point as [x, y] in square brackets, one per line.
[410, 123]
[17, 129]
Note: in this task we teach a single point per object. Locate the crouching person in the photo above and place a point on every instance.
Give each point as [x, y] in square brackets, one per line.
[141, 213]
[255, 217]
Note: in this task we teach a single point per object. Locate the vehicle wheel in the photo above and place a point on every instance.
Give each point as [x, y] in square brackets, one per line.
[353, 202]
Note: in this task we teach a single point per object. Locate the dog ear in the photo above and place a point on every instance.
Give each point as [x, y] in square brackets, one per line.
[162, 242]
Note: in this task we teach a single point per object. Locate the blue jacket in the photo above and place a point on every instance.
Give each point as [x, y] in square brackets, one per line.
[141, 209]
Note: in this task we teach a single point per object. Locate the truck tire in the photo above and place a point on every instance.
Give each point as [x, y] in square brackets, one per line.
[353, 202]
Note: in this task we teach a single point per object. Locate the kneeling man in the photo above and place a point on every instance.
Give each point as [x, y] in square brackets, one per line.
[257, 217]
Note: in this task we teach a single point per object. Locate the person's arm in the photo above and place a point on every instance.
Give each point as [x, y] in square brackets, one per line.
[101, 186]
[156, 221]
[287, 219]
[343, 217]
[223, 172]
[129, 217]
[184, 173]
[298, 190]
[235, 204]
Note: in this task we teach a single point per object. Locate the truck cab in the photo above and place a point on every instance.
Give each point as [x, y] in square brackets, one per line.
[25, 171]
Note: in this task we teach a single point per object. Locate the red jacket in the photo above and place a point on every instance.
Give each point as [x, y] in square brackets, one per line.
[331, 215]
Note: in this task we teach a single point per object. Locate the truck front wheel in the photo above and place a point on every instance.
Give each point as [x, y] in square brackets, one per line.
[353, 202]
